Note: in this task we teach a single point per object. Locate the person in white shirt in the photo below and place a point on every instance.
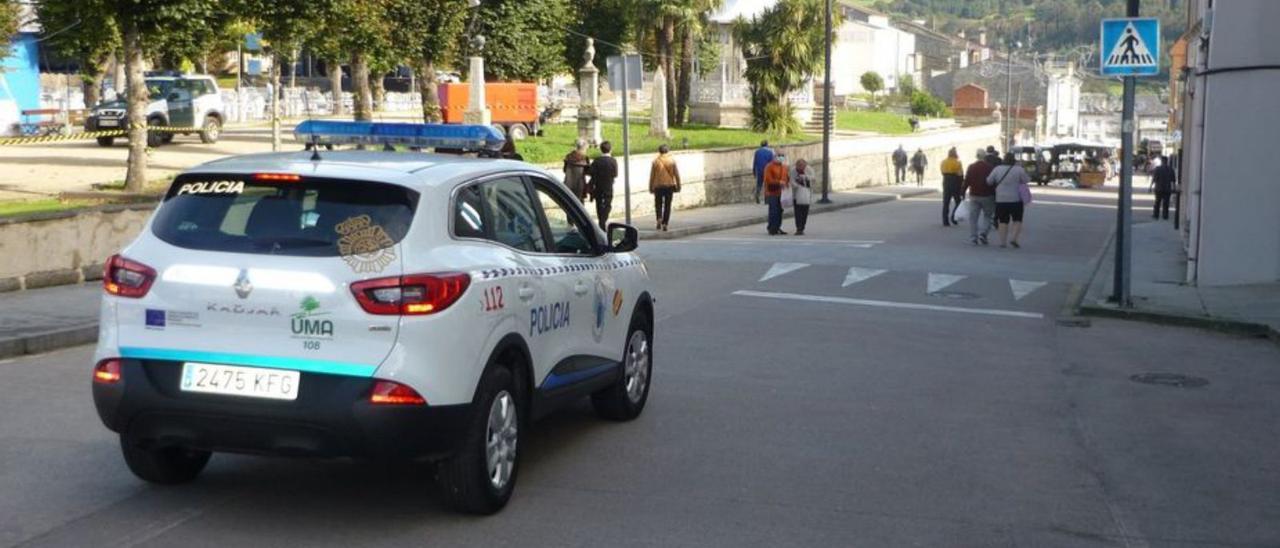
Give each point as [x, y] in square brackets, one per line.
[1008, 179]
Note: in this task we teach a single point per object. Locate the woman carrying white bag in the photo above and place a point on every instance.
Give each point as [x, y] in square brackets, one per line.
[801, 194]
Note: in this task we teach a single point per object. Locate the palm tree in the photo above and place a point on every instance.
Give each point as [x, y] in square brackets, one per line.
[672, 20]
[784, 48]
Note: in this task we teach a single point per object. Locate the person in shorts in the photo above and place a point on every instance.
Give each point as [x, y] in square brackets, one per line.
[1007, 179]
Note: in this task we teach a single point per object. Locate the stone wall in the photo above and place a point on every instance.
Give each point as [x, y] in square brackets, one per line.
[723, 176]
[65, 247]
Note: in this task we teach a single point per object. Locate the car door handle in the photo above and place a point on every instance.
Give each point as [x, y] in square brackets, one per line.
[525, 292]
[581, 288]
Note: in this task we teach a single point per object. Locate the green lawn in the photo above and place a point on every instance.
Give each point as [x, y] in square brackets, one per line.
[867, 120]
[23, 207]
[557, 140]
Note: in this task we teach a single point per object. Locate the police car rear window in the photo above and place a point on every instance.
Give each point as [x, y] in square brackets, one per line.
[310, 217]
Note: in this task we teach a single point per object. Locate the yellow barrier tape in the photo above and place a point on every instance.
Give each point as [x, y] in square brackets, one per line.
[86, 135]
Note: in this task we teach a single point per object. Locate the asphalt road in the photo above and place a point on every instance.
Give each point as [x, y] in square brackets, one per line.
[838, 402]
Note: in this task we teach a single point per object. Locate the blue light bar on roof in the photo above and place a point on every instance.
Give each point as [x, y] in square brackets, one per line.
[446, 136]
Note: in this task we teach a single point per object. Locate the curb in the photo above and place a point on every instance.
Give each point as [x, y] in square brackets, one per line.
[49, 340]
[748, 221]
[1075, 312]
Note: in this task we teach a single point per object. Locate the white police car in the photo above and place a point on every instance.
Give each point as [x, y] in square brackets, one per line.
[368, 304]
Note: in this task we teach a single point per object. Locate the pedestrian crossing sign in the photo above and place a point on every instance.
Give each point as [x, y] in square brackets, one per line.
[1130, 46]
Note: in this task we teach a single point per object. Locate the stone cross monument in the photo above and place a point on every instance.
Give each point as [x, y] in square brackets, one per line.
[589, 100]
[477, 111]
[658, 117]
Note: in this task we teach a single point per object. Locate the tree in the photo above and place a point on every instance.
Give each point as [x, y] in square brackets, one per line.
[784, 48]
[284, 27]
[677, 26]
[149, 27]
[427, 31]
[8, 19]
[524, 38]
[872, 82]
[610, 22]
[91, 42]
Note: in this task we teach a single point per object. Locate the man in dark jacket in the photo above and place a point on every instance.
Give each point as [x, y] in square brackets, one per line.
[759, 162]
[603, 171]
[1164, 179]
[982, 197]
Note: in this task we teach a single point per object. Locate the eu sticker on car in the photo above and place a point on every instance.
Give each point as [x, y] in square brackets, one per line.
[230, 380]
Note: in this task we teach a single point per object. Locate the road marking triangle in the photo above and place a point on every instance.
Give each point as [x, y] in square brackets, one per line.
[938, 282]
[1022, 288]
[857, 274]
[779, 269]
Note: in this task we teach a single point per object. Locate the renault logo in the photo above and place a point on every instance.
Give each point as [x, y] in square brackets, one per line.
[243, 287]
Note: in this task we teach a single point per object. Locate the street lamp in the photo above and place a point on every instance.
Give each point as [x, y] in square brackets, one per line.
[1009, 46]
[826, 113]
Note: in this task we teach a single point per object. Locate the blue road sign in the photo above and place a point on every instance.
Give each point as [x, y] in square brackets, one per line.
[1130, 46]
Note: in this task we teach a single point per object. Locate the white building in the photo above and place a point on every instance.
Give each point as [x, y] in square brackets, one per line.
[868, 42]
[1230, 127]
[1062, 100]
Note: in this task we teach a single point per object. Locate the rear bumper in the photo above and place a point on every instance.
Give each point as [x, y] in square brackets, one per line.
[331, 418]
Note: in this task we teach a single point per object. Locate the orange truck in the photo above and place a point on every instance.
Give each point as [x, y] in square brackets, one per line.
[514, 105]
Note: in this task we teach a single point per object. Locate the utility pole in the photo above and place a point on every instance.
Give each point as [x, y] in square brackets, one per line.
[826, 114]
[1124, 208]
[626, 142]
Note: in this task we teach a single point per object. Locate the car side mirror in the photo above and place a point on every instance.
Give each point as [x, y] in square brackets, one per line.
[623, 238]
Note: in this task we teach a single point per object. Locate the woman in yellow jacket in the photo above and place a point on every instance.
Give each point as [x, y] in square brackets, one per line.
[952, 187]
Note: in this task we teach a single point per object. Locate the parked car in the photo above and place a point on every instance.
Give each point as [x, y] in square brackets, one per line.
[177, 100]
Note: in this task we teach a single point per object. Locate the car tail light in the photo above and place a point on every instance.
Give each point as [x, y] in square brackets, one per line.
[107, 371]
[125, 278]
[412, 295]
[394, 393]
[277, 177]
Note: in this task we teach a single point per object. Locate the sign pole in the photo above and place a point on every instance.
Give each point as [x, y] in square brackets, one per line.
[626, 143]
[1124, 212]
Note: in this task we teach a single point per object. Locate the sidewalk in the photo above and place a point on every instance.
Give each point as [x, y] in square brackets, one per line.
[687, 222]
[1161, 294]
[40, 320]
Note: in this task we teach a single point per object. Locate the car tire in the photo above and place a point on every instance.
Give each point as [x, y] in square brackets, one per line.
[501, 129]
[518, 132]
[163, 465]
[106, 141]
[469, 482]
[211, 130]
[155, 138]
[625, 399]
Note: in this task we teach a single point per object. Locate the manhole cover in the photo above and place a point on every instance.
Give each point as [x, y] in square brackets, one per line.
[1170, 379]
[954, 295]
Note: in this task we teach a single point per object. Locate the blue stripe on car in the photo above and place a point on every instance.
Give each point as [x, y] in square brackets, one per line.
[556, 381]
[296, 364]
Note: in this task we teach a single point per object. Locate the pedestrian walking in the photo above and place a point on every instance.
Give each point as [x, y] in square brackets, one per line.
[664, 182]
[1010, 181]
[918, 163]
[776, 180]
[899, 165]
[801, 194]
[575, 169]
[952, 187]
[763, 156]
[982, 197]
[603, 171]
[1164, 179]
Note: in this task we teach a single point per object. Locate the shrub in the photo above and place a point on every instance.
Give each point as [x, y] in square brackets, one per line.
[925, 104]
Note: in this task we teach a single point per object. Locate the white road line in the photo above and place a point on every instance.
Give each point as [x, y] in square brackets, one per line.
[890, 304]
[779, 269]
[1022, 288]
[858, 274]
[938, 282]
